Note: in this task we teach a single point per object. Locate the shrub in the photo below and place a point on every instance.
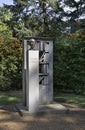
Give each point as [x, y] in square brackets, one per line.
[10, 64]
[69, 66]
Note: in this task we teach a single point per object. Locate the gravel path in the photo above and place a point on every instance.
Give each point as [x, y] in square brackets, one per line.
[11, 120]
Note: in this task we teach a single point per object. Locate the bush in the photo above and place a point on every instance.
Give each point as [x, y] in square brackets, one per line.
[69, 66]
[10, 64]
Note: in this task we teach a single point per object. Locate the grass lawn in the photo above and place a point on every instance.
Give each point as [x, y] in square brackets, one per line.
[70, 98]
[16, 97]
[10, 97]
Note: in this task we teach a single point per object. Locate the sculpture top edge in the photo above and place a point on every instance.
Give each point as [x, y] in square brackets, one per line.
[38, 38]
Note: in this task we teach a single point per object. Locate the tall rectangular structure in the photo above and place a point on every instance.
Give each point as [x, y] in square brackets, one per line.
[32, 91]
[37, 72]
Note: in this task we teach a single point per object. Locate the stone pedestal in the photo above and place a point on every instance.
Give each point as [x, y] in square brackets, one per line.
[33, 81]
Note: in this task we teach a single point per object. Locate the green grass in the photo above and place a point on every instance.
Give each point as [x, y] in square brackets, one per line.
[10, 97]
[16, 97]
[70, 98]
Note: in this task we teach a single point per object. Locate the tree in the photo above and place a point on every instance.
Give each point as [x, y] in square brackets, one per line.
[19, 18]
[58, 19]
[73, 11]
[10, 54]
[38, 17]
[11, 64]
[5, 16]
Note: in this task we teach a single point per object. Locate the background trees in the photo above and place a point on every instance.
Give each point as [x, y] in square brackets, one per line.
[10, 64]
[61, 19]
[10, 54]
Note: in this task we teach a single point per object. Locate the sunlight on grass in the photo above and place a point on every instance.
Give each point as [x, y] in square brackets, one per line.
[2, 96]
[16, 97]
[70, 98]
[10, 98]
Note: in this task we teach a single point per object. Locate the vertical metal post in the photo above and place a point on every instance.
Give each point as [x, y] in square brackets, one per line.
[24, 71]
[50, 86]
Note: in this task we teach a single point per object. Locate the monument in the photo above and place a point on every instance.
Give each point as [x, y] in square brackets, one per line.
[38, 78]
[37, 72]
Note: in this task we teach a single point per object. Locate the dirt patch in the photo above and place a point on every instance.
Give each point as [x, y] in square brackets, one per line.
[11, 120]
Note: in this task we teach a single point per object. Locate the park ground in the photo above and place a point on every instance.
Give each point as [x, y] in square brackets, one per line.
[11, 120]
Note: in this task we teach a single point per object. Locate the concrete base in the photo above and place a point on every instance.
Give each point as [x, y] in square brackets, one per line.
[43, 109]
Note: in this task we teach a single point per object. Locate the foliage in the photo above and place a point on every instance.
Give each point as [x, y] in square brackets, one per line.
[72, 11]
[34, 16]
[44, 18]
[10, 54]
[5, 16]
[10, 64]
[41, 17]
[69, 63]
